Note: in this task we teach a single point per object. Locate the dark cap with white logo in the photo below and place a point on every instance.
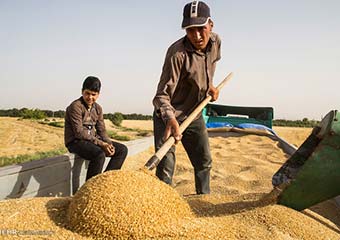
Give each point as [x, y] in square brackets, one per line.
[195, 14]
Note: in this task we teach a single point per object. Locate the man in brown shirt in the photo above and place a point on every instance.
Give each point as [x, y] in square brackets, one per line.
[186, 79]
[85, 133]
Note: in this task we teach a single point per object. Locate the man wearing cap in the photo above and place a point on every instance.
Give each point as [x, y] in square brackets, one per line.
[186, 79]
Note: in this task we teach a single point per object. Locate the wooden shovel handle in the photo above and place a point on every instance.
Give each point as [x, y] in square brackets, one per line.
[156, 158]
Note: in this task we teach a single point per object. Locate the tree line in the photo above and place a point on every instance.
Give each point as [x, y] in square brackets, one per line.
[31, 113]
[117, 117]
[27, 113]
[305, 122]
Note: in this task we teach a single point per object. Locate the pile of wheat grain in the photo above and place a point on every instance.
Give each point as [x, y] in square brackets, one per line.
[126, 204]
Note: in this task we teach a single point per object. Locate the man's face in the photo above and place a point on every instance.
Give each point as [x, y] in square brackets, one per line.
[90, 96]
[199, 36]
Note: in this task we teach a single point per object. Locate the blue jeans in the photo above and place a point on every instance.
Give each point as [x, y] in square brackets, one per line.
[96, 156]
[196, 143]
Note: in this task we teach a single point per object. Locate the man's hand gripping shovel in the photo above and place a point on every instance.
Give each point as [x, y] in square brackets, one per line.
[156, 158]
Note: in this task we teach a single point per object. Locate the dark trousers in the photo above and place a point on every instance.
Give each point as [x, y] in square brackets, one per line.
[96, 156]
[196, 143]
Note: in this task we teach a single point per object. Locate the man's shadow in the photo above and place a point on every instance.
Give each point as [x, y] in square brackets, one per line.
[204, 208]
[55, 176]
[78, 172]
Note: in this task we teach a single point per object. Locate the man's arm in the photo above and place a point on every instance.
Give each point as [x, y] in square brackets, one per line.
[165, 90]
[106, 144]
[100, 125]
[212, 91]
[167, 85]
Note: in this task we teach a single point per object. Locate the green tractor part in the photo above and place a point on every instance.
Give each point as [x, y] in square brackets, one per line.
[312, 174]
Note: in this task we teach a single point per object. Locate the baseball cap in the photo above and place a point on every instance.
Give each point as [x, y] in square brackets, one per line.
[195, 14]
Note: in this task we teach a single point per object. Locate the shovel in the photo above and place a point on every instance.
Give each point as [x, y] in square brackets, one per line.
[156, 158]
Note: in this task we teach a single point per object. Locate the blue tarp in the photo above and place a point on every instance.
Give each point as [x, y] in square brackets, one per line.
[253, 125]
[218, 124]
[241, 125]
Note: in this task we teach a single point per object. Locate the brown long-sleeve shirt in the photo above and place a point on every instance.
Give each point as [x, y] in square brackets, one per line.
[186, 76]
[82, 123]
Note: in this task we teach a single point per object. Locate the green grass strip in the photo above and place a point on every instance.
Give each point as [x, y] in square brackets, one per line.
[5, 161]
[116, 136]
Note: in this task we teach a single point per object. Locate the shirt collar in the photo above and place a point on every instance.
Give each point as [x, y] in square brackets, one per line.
[85, 104]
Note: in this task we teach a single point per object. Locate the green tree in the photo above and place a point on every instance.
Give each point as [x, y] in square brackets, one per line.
[116, 118]
[33, 114]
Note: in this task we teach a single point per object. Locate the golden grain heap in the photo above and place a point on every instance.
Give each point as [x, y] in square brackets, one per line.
[126, 204]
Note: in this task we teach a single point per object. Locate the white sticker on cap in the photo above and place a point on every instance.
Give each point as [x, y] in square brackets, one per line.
[194, 9]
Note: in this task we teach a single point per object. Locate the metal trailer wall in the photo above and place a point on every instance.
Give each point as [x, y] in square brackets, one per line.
[56, 176]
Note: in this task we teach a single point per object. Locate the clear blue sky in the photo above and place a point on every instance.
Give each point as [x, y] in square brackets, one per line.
[284, 54]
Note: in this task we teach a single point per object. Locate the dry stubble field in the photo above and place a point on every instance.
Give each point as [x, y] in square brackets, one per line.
[22, 136]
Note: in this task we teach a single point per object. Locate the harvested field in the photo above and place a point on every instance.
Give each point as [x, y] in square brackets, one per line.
[239, 206]
[139, 124]
[21, 136]
[293, 135]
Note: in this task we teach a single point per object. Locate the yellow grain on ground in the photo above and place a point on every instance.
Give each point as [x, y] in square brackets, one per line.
[137, 161]
[35, 218]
